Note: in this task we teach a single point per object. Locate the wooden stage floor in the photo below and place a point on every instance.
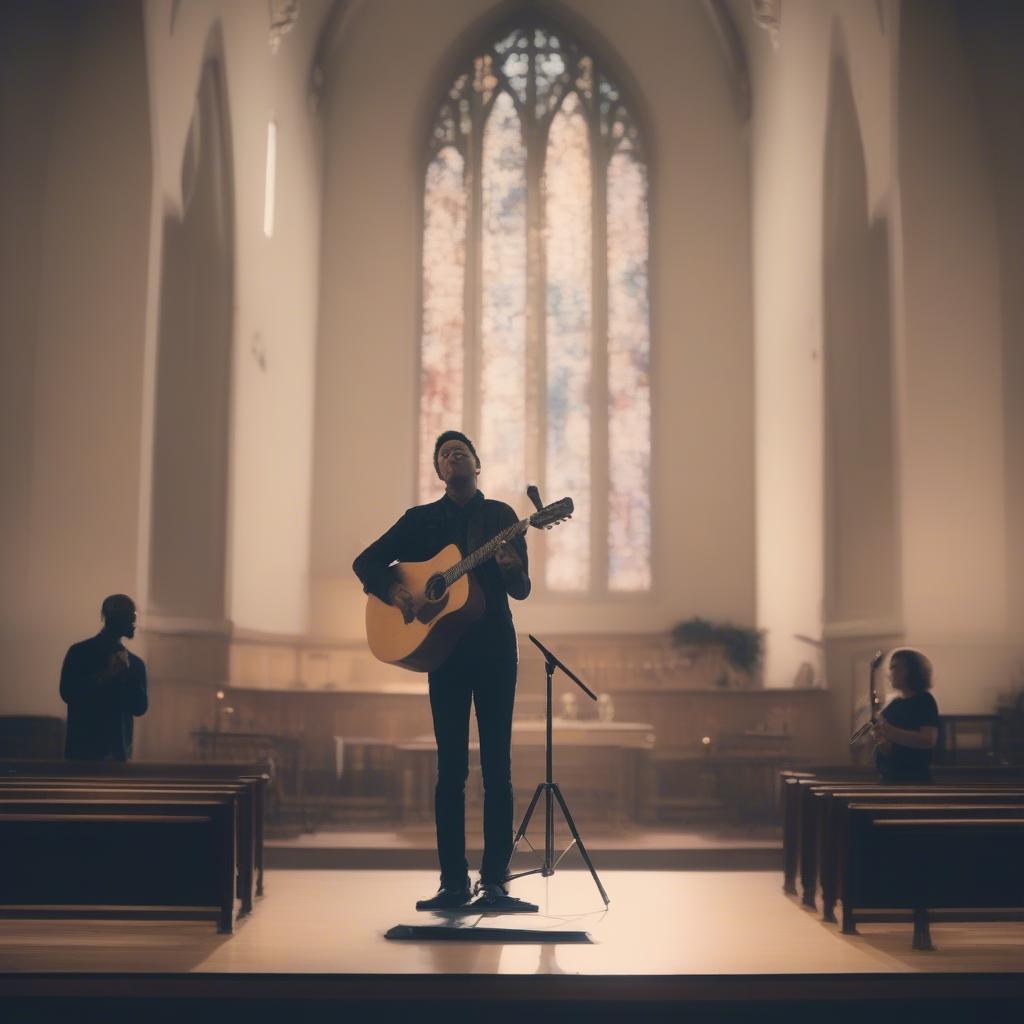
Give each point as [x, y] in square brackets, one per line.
[413, 847]
[669, 939]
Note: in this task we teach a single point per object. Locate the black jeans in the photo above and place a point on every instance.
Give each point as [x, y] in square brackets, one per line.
[489, 682]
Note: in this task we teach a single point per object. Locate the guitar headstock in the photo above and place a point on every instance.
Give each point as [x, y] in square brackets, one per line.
[552, 514]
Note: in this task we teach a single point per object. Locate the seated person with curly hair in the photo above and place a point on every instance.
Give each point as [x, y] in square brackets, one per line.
[908, 727]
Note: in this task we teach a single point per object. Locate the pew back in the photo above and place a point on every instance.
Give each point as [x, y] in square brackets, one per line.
[801, 803]
[159, 790]
[79, 854]
[932, 857]
[254, 775]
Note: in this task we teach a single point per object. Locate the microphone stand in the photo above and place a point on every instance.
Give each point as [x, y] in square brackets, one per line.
[552, 793]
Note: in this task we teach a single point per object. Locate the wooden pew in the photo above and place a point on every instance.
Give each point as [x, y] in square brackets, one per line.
[809, 791]
[814, 794]
[932, 858]
[68, 854]
[250, 846]
[256, 775]
[801, 828]
[791, 827]
[791, 811]
[834, 819]
[161, 791]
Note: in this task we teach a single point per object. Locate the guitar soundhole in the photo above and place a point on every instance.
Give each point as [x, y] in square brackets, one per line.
[436, 587]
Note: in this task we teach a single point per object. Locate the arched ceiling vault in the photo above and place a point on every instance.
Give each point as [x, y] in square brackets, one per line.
[733, 52]
[343, 13]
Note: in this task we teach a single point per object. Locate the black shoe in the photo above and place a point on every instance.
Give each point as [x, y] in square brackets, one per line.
[448, 897]
[492, 897]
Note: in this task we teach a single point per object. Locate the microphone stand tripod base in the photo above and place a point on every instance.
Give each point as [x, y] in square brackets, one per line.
[552, 794]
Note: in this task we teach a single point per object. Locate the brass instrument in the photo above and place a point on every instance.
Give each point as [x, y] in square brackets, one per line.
[874, 703]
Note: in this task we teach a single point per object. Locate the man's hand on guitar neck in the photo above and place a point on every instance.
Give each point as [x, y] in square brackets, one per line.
[507, 559]
[513, 572]
[403, 600]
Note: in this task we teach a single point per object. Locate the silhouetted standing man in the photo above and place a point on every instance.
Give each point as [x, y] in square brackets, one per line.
[104, 687]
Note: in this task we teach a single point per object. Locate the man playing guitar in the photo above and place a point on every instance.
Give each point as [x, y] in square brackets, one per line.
[481, 670]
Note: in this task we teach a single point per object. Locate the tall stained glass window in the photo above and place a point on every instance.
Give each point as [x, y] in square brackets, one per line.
[536, 320]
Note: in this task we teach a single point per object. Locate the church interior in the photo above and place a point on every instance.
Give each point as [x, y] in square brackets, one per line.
[734, 276]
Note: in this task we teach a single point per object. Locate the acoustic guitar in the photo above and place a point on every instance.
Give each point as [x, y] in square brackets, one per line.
[446, 598]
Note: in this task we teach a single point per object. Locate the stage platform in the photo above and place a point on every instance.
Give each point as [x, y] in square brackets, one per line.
[412, 848]
[712, 945]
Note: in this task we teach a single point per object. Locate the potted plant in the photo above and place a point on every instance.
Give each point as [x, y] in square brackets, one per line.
[741, 646]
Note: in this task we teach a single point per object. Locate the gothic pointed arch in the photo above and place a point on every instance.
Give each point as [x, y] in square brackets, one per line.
[188, 541]
[535, 330]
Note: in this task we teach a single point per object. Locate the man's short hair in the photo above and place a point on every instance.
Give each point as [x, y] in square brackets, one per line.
[454, 435]
[116, 603]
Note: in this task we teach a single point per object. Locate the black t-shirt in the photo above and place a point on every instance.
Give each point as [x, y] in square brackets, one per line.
[908, 764]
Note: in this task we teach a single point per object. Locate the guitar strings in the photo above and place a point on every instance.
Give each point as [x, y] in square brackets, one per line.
[471, 561]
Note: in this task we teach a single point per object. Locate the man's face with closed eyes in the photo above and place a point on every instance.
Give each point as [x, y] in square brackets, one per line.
[455, 462]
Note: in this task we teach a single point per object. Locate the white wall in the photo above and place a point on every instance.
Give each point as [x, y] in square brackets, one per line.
[992, 34]
[276, 281]
[861, 558]
[929, 180]
[790, 98]
[95, 105]
[955, 418]
[954, 536]
[76, 205]
[97, 100]
[392, 61]
[187, 553]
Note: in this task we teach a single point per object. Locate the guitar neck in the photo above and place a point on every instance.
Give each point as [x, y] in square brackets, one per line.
[485, 551]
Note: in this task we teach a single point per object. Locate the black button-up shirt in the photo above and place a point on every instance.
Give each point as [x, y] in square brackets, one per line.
[426, 529]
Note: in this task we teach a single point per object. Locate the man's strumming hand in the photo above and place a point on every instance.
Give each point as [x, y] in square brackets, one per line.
[400, 597]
